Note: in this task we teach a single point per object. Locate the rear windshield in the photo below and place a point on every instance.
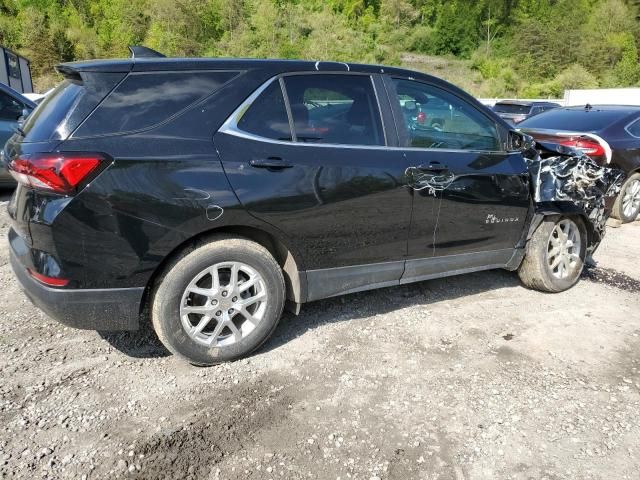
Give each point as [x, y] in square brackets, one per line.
[43, 123]
[570, 119]
[511, 108]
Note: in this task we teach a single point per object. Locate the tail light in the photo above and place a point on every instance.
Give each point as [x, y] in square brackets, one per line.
[56, 172]
[590, 147]
[589, 143]
[422, 117]
[50, 281]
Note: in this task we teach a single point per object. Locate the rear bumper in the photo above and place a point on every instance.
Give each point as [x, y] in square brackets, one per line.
[106, 309]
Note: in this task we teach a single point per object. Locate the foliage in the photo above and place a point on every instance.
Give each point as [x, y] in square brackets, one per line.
[514, 47]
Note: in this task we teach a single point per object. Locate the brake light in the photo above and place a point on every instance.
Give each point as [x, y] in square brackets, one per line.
[590, 147]
[56, 172]
[50, 281]
[422, 117]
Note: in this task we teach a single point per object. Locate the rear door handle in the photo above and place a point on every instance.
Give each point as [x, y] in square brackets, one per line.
[433, 167]
[271, 163]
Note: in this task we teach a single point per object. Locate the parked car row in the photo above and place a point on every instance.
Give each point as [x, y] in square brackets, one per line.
[208, 194]
[516, 111]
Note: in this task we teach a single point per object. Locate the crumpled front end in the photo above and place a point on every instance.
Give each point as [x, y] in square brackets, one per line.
[567, 178]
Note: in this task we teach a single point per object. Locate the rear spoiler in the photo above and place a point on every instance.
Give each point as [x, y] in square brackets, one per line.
[74, 70]
[144, 52]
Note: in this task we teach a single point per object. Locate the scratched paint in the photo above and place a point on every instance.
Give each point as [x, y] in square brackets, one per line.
[212, 210]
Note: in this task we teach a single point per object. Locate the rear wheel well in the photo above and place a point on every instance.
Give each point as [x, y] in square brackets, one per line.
[294, 283]
[582, 219]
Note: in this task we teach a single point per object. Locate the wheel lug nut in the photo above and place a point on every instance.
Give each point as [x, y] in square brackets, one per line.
[214, 302]
[218, 313]
[231, 310]
[224, 294]
[234, 299]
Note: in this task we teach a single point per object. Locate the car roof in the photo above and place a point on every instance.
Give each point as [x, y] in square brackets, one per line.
[172, 63]
[525, 103]
[17, 95]
[270, 66]
[605, 108]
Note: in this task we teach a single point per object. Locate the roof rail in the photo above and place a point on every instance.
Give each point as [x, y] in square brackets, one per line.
[141, 52]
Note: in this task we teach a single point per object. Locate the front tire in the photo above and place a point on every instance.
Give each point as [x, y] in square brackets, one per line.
[219, 302]
[555, 254]
[627, 206]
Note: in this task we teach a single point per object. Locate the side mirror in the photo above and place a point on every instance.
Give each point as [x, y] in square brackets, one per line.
[519, 141]
[25, 113]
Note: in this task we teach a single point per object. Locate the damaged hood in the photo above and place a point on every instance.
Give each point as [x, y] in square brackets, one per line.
[569, 176]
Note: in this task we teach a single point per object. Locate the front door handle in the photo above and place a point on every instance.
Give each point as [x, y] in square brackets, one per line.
[271, 163]
[433, 167]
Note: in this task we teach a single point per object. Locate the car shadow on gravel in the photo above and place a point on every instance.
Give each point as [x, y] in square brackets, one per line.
[144, 343]
[356, 306]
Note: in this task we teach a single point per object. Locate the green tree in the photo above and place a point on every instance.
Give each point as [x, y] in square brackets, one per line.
[456, 30]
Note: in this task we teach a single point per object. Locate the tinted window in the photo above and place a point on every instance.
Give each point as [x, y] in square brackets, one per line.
[511, 108]
[437, 119]
[10, 108]
[634, 128]
[267, 115]
[574, 119]
[143, 100]
[338, 109]
[44, 121]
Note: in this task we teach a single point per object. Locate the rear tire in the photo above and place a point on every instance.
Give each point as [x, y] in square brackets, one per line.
[555, 254]
[208, 321]
[627, 205]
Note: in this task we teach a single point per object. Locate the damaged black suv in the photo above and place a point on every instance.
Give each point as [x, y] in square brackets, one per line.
[207, 194]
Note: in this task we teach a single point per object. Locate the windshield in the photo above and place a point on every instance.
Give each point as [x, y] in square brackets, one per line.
[574, 119]
[511, 108]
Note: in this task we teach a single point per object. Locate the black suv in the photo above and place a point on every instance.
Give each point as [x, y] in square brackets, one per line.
[209, 193]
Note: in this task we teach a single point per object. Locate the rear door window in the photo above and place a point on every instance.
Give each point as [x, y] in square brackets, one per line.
[334, 109]
[144, 100]
[634, 128]
[267, 116]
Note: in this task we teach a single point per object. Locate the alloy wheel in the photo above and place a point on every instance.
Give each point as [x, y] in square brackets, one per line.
[563, 249]
[631, 200]
[223, 304]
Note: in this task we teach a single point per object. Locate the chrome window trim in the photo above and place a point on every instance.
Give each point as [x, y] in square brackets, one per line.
[258, 138]
[230, 125]
[626, 128]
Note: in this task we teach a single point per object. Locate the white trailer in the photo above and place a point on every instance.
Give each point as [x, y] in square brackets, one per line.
[602, 96]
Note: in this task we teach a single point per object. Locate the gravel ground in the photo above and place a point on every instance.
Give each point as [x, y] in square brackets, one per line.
[472, 377]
